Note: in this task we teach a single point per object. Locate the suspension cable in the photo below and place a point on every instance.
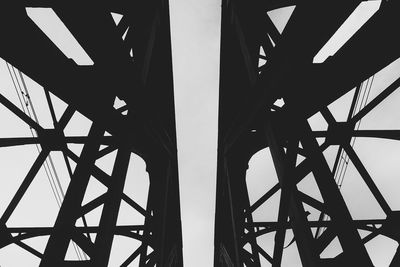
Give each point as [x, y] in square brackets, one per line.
[343, 163]
[363, 103]
[49, 167]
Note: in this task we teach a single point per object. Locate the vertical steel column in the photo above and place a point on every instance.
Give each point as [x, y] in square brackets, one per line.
[226, 239]
[156, 174]
[165, 221]
[173, 239]
[249, 217]
[236, 166]
[148, 229]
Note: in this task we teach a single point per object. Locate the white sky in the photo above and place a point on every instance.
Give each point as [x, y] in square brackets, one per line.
[195, 27]
[195, 30]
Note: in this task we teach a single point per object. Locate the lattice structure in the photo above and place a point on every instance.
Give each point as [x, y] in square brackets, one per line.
[270, 90]
[132, 66]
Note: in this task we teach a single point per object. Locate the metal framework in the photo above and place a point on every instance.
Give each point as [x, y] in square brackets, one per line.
[250, 119]
[132, 62]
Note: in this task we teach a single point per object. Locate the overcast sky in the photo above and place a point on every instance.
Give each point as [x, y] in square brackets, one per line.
[195, 29]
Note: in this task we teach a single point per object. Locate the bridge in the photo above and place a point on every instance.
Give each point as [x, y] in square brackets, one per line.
[126, 93]
[275, 97]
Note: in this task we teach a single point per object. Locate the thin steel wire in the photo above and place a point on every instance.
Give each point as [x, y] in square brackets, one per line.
[51, 173]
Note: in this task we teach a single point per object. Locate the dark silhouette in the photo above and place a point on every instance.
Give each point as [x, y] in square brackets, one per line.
[136, 67]
[250, 119]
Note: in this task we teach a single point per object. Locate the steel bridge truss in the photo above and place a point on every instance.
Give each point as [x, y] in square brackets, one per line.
[250, 119]
[132, 62]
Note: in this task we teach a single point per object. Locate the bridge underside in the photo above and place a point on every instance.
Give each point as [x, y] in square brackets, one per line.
[270, 90]
[132, 66]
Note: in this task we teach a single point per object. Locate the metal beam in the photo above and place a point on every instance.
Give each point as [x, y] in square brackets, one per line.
[58, 242]
[347, 233]
[290, 203]
[111, 206]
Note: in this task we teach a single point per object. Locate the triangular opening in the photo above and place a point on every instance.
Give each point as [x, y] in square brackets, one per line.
[93, 190]
[320, 140]
[299, 159]
[129, 216]
[121, 249]
[106, 163]
[281, 16]
[247, 247]
[309, 187]
[59, 106]
[330, 155]
[125, 33]
[76, 148]
[261, 60]
[75, 253]
[38, 243]
[363, 233]
[116, 17]
[340, 107]
[332, 250]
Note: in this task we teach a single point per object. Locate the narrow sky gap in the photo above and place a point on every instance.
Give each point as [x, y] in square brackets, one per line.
[195, 30]
[47, 20]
